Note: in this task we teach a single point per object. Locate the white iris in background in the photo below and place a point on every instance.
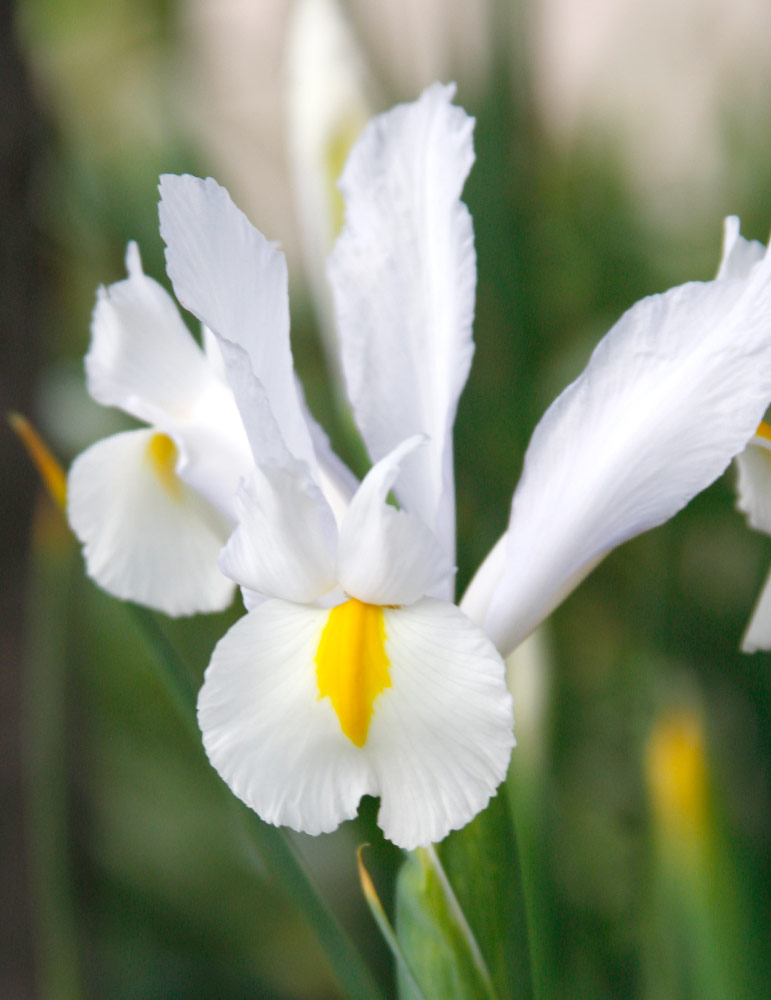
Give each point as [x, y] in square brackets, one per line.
[154, 506]
[353, 672]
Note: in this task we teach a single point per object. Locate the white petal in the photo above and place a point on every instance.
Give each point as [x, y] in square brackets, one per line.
[277, 745]
[670, 395]
[403, 276]
[739, 255]
[441, 735]
[388, 556]
[235, 281]
[326, 111]
[754, 500]
[265, 437]
[142, 357]
[758, 633]
[144, 540]
[284, 543]
[754, 483]
[438, 743]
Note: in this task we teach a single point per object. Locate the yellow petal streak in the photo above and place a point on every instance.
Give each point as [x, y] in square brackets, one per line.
[352, 666]
[162, 455]
[764, 431]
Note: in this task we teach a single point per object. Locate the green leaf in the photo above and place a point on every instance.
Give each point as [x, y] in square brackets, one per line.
[482, 864]
[384, 925]
[435, 938]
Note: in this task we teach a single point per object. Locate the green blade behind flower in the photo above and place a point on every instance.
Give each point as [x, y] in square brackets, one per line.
[434, 936]
[466, 929]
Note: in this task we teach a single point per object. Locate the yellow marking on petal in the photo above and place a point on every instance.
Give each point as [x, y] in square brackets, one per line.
[47, 465]
[763, 431]
[338, 146]
[162, 455]
[352, 666]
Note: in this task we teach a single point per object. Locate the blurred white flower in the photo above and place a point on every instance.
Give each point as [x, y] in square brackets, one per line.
[153, 507]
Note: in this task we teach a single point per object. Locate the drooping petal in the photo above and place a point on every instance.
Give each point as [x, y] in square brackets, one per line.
[147, 536]
[403, 277]
[284, 543]
[142, 357]
[441, 735]
[385, 555]
[265, 729]
[739, 256]
[669, 396]
[437, 745]
[228, 275]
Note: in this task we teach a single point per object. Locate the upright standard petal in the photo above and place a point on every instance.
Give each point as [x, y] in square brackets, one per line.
[284, 543]
[142, 357]
[147, 536]
[385, 555]
[433, 742]
[229, 276]
[403, 277]
[670, 395]
[739, 256]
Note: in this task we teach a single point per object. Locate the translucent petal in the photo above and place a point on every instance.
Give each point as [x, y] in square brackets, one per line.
[284, 543]
[753, 485]
[147, 536]
[739, 255]
[403, 277]
[142, 357]
[385, 555]
[438, 743]
[669, 396]
[235, 281]
[754, 500]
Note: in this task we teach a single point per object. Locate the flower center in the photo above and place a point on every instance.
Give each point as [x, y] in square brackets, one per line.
[352, 666]
[162, 455]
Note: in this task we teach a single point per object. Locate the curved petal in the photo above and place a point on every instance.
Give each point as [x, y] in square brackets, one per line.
[147, 536]
[142, 357]
[670, 395]
[235, 281]
[753, 484]
[403, 277]
[754, 500]
[385, 555]
[441, 735]
[739, 256]
[265, 730]
[438, 743]
[284, 543]
[758, 633]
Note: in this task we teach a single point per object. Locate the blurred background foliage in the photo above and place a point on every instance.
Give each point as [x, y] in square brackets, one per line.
[611, 140]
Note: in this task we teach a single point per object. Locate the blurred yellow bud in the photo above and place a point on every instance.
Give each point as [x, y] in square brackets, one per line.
[676, 775]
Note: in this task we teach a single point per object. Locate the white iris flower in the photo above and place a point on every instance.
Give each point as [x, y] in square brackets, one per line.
[153, 507]
[353, 672]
